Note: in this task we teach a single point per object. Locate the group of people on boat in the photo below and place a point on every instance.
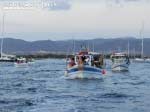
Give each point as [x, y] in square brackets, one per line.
[85, 64]
[22, 60]
[91, 60]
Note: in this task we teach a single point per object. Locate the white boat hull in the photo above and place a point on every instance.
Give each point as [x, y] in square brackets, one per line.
[120, 67]
[139, 60]
[86, 72]
[147, 60]
[20, 64]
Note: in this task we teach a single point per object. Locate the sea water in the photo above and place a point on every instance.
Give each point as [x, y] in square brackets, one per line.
[40, 87]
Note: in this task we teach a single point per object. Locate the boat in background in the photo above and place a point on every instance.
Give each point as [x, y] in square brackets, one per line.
[147, 60]
[11, 58]
[120, 62]
[30, 60]
[5, 57]
[21, 62]
[141, 59]
[85, 65]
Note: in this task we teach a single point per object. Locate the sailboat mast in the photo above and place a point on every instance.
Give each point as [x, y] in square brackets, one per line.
[88, 45]
[128, 49]
[74, 47]
[142, 50]
[93, 46]
[2, 39]
[134, 53]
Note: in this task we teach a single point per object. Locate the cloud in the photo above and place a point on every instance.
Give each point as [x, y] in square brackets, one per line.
[79, 17]
[125, 1]
[57, 5]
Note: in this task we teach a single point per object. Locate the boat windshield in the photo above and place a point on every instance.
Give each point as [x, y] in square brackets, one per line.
[119, 59]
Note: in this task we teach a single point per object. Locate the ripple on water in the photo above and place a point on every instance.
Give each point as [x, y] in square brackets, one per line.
[42, 88]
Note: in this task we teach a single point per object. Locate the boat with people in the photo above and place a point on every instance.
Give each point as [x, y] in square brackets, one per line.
[85, 64]
[120, 62]
[21, 61]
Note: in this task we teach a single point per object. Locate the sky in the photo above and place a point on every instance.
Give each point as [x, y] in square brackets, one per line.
[74, 19]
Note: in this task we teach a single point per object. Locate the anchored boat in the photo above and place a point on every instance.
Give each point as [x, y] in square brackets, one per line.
[141, 59]
[85, 65]
[120, 62]
[5, 57]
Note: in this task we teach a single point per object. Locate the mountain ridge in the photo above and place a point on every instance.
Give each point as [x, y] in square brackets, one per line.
[19, 46]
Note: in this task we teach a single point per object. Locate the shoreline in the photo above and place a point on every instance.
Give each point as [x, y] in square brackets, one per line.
[62, 56]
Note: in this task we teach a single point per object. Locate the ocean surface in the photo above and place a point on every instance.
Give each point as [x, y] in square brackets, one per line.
[41, 87]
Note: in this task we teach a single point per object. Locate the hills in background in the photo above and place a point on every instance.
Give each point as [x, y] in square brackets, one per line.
[18, 46]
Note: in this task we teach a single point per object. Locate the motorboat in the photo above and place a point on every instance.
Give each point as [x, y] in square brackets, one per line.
[120, 62]
[21, 61]
[85, 65]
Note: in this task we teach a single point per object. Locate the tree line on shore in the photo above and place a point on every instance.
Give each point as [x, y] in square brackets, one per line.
[61, 56]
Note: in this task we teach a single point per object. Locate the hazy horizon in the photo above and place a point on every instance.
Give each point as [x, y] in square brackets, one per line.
[75, 19]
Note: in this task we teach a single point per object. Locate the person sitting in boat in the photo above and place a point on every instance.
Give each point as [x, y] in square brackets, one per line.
[71, 62]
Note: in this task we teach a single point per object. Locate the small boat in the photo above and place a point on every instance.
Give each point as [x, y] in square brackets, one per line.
[120, 62]
[21, 62]
[139, 60]
[30, 60]
[147, 60]
[85, 65]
